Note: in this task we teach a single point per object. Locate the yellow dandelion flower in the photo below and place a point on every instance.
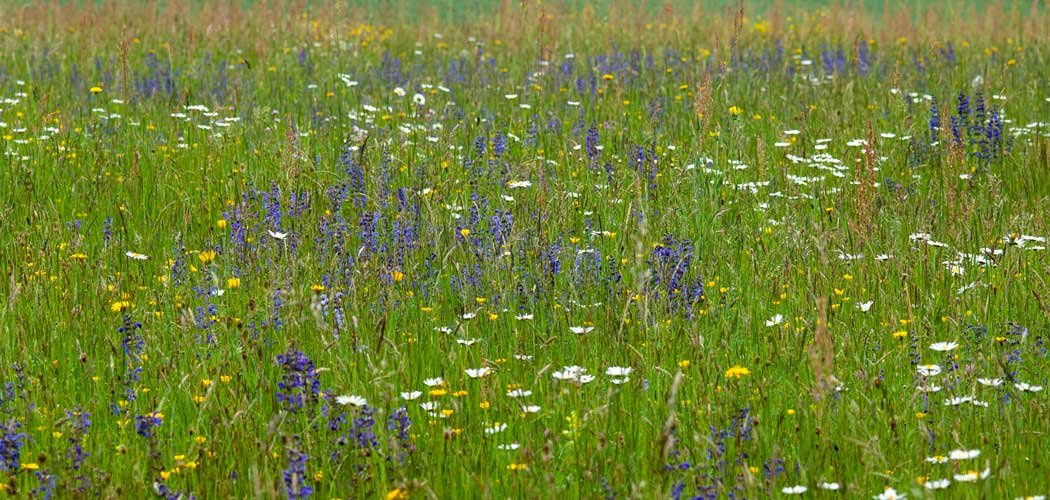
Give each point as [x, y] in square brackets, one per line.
[737, 371]
[120, 306]
[397, 494]
[206, 256]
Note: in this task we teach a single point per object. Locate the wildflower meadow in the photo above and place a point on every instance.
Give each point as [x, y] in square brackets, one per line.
[524, 249]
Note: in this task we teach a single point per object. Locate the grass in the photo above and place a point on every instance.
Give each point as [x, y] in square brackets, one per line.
[223, 222]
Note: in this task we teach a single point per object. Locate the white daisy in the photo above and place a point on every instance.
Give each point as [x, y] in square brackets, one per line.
[890, 494]
[530, 409]
[971, 476]
[794, 490]
[775, 320]
[466, 342]
[944, 346]
[419, 99]
[929, 370]
[865, 306]
[939, 459]
[351, 400]
[956, 401]
[519, 184]
[136, 256]
[495, 429]
[573, 373]
[580, 330]
[519, 393]
[434, 382]
[828, 486]
[478, 372]
[523, 317]
[990, 382]
[964, 454]
[430, 405]
[937, 484]
[1023, 387]
[409, 396]
[277, 235]
[618, 371]
[508, 446]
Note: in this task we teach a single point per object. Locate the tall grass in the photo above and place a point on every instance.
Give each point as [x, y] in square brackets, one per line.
[290, 250]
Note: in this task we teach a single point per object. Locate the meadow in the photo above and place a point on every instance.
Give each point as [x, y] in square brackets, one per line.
[556, 249]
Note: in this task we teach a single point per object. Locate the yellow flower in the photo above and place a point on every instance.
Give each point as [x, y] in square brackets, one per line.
[397, 494]
[464, 232]
[206, 256]
[737, 371]
[683, 364]
[30, 466]
[397, 276]
[317, 288]
[517, 467]
[221, 223]
[78, 256]
[735, 110]
[96, 89]
[225, 379]
[607, 77]
[233, 283]
[120, 306]
[900, 334]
